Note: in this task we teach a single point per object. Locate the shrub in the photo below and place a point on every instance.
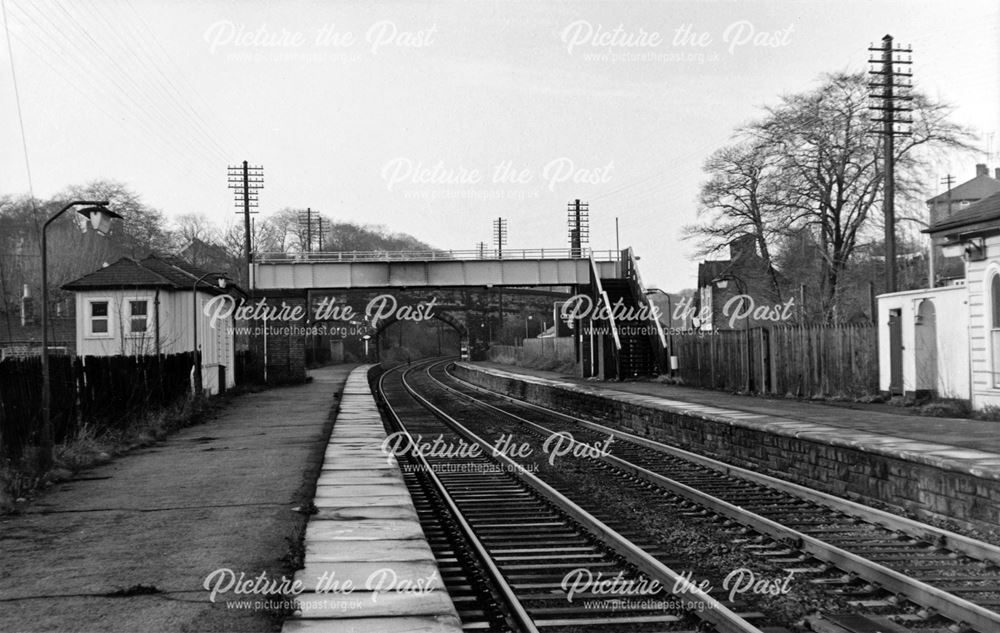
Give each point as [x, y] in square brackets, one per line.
[990, 413]
[946, 409]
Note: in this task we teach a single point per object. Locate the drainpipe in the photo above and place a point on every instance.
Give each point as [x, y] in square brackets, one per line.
[156, 319]
[930, 265]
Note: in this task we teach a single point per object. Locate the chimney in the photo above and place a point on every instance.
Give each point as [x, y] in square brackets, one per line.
[981, 170]
[744, 245]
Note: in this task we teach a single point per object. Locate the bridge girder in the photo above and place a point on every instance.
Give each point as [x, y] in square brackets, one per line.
[307, 274]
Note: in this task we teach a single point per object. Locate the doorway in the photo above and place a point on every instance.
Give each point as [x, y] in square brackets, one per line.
[895, 352]
[925, 347]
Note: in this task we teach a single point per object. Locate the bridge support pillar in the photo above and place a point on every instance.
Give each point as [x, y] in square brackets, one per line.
[279, 346]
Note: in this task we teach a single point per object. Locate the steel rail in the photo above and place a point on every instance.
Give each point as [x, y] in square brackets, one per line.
[948, 605]
[916, 529]
[519, 613]
[710, 609]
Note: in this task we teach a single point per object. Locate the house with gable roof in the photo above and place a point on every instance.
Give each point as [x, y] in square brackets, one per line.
[144, 307]
[946, 340]
[723, 283]
[942, 207]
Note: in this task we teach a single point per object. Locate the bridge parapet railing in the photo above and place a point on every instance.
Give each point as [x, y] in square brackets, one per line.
[435, 255]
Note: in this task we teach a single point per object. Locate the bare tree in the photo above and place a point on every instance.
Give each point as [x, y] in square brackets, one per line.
[142, 228]
[744, 196]
[813, 165]
[195, 235]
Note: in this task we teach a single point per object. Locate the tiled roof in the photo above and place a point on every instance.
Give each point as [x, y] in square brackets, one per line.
[985, 211]
[710, 270]
[124, 273]
[976, 189]
[62, 330]
[155, 271]
[177, 270]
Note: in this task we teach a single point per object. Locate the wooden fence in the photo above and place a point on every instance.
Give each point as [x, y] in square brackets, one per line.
[797, 361]
[554, 349]
[104, 392]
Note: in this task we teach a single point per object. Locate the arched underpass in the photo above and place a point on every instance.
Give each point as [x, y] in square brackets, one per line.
[396, 339]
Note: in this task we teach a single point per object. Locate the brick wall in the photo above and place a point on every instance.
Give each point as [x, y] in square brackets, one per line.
[917, 489]
[286, 344]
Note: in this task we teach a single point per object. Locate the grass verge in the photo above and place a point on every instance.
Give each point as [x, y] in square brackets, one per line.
[91, 446]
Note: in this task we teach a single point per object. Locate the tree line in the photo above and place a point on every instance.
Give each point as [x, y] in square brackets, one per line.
[144, 229]
[803, 183]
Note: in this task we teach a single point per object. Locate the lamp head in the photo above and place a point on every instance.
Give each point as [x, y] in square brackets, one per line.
[100, 218]
[970, 249]
[954, 249]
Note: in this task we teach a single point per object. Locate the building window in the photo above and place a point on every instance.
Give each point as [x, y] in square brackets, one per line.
[99, 320]
[138, 316]
[995, 327]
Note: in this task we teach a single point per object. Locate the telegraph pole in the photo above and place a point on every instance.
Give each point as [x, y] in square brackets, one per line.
[246, 180]
[500, 239]
[578, 217]
[322, 226]
[305, 220]
[931, 264]
[500, 235]
[948, 181]
[890, 96]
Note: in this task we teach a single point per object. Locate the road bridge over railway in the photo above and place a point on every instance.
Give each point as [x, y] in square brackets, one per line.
[433, 269]
[342, 286]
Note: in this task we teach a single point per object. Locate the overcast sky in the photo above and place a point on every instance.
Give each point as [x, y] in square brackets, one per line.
[434, 118]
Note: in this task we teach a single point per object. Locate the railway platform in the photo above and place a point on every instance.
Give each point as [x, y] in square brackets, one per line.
[940, 468]
[368, 566]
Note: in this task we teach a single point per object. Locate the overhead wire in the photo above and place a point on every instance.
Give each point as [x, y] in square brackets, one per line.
[140, 92]
[17, 99]
[57, 38]
[157, 79]
[233, 140]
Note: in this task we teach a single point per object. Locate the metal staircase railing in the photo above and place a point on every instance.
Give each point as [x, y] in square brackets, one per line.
[630, 271]
[602, 296]
[607, 301]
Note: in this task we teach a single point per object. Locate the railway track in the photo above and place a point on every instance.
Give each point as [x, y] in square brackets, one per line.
[886, 563]
[517, 555]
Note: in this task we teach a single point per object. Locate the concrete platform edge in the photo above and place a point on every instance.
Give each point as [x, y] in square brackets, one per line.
[367, 567]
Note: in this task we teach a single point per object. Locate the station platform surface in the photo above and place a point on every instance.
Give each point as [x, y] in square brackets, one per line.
[368, 566]
[958, 444]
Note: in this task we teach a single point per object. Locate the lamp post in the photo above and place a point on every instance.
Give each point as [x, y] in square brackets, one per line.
[100, 219]
[197, 388]
[670, 326]
[721, 282]
[526, 321]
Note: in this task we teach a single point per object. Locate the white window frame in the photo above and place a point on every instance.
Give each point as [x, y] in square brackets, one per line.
[127, 318]
[89, 319]
[993, 331]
